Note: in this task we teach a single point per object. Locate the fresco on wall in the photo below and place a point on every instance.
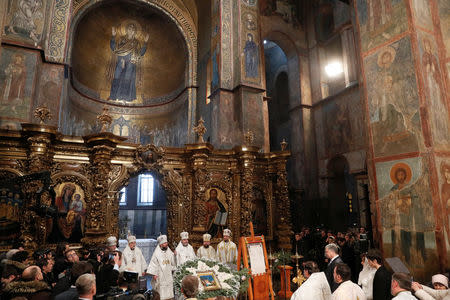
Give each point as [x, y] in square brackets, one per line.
[344, 129]
[444, 15]
[443, 167]
[17, 72]
[25, 20]
[434, 80]
[406, 210]
[49, 90]
[393, 99]
[422, 14]
[380, 20]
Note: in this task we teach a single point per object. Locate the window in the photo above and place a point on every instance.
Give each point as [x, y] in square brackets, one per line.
[146, 183]
[123, 196]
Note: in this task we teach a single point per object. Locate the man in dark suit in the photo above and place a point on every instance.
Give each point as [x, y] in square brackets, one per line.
[382, 279]
[332, 253]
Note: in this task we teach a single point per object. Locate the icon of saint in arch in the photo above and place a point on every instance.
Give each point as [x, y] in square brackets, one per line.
[124, 68]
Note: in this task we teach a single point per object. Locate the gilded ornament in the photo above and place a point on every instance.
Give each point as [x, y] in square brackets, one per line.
[105, 119]
[42, 113]
[200, 130]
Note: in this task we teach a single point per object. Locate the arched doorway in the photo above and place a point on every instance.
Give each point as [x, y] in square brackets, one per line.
[143, 207]
[341, 208]
[277, 84]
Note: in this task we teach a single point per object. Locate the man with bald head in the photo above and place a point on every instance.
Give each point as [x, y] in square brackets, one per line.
[32, 286]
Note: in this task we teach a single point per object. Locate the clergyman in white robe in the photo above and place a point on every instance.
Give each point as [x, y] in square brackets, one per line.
[206, 251]
[227, 250]
[132, 258]
[184, 251]
[161, 266]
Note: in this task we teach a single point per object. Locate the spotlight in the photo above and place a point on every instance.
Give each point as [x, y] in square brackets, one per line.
[334, 69]
[265, 42]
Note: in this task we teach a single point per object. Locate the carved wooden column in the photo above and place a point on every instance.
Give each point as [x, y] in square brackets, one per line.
[101, 147]
[39, 138]
[247, 156]
[199, 158]
[284, 228]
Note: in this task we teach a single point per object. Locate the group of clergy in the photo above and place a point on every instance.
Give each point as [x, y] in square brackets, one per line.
[164, 261]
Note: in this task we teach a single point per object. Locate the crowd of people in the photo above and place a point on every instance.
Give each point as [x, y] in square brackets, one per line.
[345, 267]
[105, 272]
[331, 268]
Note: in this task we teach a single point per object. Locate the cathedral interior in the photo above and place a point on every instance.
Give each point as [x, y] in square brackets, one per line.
[285, 113]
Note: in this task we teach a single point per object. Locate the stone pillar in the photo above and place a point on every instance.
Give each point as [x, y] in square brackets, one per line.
[98, 222]
[403, 59]
[237, 76]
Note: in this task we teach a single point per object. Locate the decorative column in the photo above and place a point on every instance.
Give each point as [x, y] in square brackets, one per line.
[284, 228]
[101, 147]
[405, 79]
[198, 159]
[247, 156]
[237, 84]
[39, 139]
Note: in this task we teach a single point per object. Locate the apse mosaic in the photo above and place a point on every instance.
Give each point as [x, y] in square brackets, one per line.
[128, 55]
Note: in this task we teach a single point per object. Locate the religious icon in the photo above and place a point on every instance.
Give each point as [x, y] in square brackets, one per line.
[72, 210]
[251, 57]
[24, 19]
[125, 64]
[216, 212]
[209, 280]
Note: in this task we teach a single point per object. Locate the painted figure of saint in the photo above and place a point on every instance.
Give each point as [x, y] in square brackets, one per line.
[127, 53]
[379, 12]
[433, 83]
[251, 57]
[15, 79]
[445, 193]
[23, 20]
[215, 69]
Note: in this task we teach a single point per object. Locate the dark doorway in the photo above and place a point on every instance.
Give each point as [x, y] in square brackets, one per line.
[142, 207]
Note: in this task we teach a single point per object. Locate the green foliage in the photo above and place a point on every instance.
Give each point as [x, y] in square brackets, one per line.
[281, 258]
[238, 283]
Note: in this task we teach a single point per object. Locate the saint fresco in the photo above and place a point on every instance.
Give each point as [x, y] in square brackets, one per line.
[26, 19]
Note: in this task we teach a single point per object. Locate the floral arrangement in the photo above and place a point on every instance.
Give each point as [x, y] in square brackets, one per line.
[231, 282]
